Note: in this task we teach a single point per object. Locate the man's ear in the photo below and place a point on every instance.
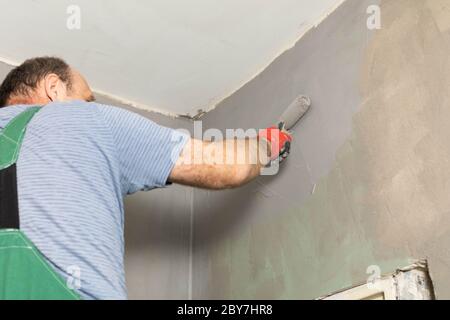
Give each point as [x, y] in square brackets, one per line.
[55, 89]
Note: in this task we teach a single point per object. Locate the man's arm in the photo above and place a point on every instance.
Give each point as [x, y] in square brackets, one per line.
[167, 155]
[220, 165]
[229, 163]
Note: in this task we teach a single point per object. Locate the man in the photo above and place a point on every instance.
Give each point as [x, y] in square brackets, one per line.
[79, 159]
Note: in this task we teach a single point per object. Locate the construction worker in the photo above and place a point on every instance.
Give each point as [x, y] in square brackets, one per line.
[66, 164]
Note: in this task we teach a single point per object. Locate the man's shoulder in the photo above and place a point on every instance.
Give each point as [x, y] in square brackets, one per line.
[71, 105]
[75, 109]
[8, 113]
[72, 111]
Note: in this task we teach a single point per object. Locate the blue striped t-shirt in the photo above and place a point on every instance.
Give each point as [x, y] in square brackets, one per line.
[77, 162]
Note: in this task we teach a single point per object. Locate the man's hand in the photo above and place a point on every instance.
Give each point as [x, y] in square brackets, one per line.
[279, 140]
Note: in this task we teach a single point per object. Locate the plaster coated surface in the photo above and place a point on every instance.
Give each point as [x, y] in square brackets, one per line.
[367, 183]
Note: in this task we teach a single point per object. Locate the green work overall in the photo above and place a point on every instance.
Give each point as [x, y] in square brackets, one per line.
[24, 273]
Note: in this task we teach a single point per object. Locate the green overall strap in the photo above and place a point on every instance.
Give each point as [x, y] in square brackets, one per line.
[24, 272]
[12, 136]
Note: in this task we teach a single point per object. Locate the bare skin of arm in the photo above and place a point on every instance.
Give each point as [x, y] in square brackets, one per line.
[222, 164]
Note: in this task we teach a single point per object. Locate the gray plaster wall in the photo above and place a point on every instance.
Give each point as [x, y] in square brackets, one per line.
[367, 182]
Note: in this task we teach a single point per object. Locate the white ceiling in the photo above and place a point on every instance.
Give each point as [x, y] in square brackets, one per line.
[176, 56]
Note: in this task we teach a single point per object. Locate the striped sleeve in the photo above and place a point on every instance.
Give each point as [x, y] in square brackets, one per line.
[146, 151]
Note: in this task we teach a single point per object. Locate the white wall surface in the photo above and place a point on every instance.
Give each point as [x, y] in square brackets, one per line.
[172, 55]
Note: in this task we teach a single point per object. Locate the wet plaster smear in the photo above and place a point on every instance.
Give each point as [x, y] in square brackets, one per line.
[368, 182]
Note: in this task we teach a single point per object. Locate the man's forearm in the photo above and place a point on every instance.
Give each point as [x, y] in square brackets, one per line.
[248, 157]
[222, 164]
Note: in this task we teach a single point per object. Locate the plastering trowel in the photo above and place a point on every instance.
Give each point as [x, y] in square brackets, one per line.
[296, 110]
[290, 117]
